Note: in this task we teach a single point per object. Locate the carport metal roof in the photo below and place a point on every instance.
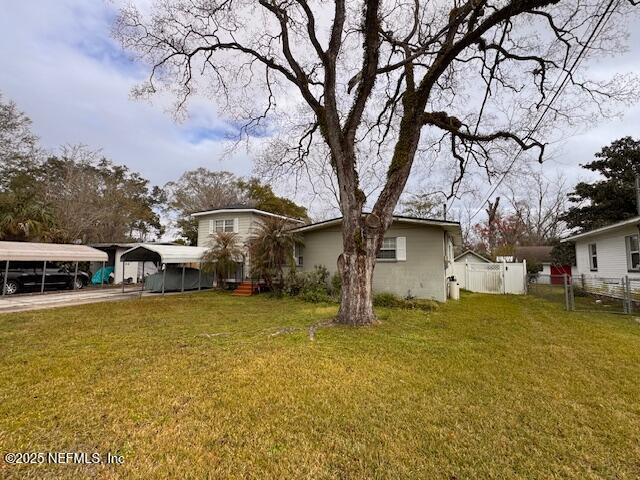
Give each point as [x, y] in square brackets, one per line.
[54, 252]
[163, 253]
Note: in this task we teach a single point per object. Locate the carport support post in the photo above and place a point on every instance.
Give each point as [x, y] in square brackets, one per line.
[102, 275]
[123, 276]
[75, 276]
[4, 280]
[44, 270]
[142, 289]
[182, 286]
[200, 276]
[164, 273]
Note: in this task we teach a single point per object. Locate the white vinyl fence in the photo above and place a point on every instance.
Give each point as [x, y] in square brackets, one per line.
[492, 277]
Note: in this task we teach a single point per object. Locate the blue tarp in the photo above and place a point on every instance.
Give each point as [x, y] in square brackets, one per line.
[102, 275]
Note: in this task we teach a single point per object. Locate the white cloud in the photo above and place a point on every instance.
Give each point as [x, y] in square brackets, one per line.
[63, 69]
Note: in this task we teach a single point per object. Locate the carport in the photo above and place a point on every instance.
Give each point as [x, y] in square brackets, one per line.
[165, 255]
[47, 252]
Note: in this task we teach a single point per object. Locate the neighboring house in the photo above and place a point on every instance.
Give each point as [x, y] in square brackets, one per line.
[609, 252]
[239, 220]
[541, 255]
[469, 256]
[415, 260]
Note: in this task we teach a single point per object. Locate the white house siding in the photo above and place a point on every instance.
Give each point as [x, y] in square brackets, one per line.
[130, 268]
[422, 274]
[612, 254]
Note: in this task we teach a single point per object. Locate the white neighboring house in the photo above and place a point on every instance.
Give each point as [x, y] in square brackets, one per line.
[609, 252]
[469, 256]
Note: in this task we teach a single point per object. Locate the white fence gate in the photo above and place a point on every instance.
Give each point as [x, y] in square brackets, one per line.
[492, 277]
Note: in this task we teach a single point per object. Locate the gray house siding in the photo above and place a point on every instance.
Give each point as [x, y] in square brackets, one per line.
[422, 274]
[245, 223]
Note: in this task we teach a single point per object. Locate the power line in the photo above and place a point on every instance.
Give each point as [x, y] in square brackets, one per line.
[487, 92]
[601, 23]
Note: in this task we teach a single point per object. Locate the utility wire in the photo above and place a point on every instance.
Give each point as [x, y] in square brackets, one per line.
[487, 92]
[596, 31]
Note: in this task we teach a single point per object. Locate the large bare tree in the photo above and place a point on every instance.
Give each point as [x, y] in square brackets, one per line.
[374, 82]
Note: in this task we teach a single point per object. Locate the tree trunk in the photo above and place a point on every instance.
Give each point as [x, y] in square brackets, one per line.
[356, 304]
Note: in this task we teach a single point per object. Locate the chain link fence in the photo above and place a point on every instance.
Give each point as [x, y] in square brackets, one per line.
[587, 292]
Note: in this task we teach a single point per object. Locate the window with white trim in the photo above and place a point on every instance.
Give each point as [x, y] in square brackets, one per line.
[633, 253]
[223, 226]
[388, 249]
[593, 257]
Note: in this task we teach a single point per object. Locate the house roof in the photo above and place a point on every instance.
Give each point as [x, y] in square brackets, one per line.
[452, 227]
[127, 244]
[625, 223]
[164, 253]
[534, 253]
[471, 252]
[54, 252]
[242, 209]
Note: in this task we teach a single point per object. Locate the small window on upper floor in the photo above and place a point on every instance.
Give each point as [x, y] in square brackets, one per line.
[224, 226]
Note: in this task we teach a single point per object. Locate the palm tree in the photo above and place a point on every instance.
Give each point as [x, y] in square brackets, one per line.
[22, 221]
[223, 257]
[271, 249]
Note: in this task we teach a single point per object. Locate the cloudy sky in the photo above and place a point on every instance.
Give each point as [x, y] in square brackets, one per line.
[60, 65]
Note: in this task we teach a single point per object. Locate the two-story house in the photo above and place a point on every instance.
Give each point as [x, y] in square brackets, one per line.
[239, 220]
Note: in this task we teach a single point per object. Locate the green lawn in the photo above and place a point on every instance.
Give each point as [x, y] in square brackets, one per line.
[198, 386]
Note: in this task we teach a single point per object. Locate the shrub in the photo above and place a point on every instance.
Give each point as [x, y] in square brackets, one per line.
[311, 286]
[386, 299]
[389, 300]
[315, 296]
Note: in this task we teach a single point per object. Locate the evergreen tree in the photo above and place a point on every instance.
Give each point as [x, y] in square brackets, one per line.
[612, 199]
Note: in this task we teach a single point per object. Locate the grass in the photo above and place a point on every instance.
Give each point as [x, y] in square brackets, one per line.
[489, 387]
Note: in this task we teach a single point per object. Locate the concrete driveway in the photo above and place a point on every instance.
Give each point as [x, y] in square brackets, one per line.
[37, 301]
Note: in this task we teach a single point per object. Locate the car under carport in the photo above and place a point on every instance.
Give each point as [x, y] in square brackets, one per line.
[46, 253]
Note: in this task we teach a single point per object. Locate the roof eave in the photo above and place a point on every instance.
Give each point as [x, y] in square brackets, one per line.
[452, 227]
[601, 230]
[243, 210]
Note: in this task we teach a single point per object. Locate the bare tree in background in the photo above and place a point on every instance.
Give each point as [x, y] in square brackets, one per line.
[18, 144]
[198, 190]
[378, 81]
[539, 202]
